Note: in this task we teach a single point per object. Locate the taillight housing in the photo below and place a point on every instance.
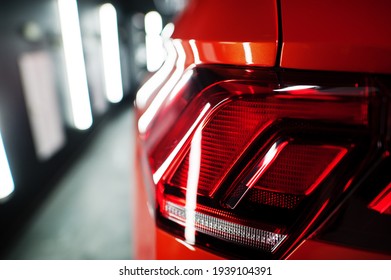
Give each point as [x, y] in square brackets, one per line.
[247, 161]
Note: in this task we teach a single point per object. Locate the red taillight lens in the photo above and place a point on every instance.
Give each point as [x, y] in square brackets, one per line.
[249, 158]
[300, 168]
[290, 175]
[234, 127]
[382, 202]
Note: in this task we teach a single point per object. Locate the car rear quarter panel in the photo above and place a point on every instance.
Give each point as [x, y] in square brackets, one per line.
[336, 35]
[230, 32]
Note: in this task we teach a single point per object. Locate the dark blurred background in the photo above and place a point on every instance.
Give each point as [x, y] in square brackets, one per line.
[68, 76]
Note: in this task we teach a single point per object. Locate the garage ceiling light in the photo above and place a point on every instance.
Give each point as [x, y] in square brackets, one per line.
[7, 183]
[75, 65]
[111, 53]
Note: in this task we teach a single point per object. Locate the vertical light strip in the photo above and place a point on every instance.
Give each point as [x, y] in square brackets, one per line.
[192, 186]
[153, 41]
[248, 53]
[196, 53]
[6, 181]
[111, 56]
[75, 66]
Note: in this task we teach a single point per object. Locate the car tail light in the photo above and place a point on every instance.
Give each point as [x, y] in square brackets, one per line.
[363, 220]
[296, 171]
[382, 202]
[254, 158]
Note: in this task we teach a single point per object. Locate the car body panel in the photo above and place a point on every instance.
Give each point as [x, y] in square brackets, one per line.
[235, 53]
[336, 35]
[223, 32]
[171, 248]
[143, 218]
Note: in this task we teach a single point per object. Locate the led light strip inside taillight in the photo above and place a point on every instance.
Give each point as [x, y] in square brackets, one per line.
[222, 229]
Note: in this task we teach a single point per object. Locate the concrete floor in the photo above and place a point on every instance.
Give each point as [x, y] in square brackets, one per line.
[88, 215]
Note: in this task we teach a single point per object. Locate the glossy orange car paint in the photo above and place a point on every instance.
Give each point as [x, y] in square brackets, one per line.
[300, 35]
[225, 33]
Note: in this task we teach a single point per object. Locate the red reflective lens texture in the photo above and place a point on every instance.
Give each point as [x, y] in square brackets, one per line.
[233, 128]
[300, 168]
[251, 161]
[382, 202]
[297, 171]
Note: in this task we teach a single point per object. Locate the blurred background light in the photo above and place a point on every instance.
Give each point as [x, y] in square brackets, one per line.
[111, 53]
[153, 41]
[6, 180]
[75, 65]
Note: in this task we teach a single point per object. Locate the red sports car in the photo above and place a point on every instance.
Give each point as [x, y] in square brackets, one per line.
[266, 133]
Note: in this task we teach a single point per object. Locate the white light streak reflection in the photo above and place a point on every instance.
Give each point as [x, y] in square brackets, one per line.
[150, 113]
[248, 56]
[6, 181]
[192, 185]
[162, 169]
[294, 88]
